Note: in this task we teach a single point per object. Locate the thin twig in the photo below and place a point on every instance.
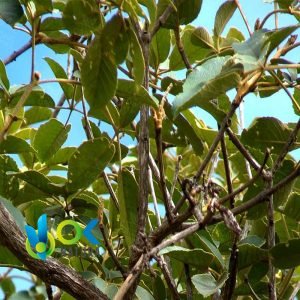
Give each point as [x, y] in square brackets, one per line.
[180, 48]
[282, 11]
[111, 191]
[17, 53]
[152, 191]
[168, 277]
[286, 148]
[111, 251]
[243, 16]
[285, 89]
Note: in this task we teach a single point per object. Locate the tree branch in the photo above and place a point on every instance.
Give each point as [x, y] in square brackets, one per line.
[51, 271]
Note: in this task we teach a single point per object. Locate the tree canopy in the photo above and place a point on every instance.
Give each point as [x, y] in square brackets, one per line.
[152, 203]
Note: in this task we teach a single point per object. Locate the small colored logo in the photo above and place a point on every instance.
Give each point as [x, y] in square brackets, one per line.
[38, 239]
[40, 243]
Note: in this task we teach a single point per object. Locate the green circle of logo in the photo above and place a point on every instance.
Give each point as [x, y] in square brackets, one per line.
[78, 232]
[40, 246]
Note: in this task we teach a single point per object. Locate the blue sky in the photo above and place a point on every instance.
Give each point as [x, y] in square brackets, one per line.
[279, 105]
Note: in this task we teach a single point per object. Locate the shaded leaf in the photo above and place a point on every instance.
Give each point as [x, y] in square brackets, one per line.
[99, 70]
[267, 132]
[286, 255]
[10, 11]
[128, 200]
[87, 162]
[49, 138]
[184, 12]
[13, 144]
[224, 14]
[81, 16]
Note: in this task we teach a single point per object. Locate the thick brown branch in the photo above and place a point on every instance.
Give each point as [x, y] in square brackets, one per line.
[51, 271]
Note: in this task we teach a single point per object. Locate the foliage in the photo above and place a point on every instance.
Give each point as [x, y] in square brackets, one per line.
[226, 199]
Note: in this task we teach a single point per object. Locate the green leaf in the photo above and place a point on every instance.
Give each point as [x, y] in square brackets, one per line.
[87, 162]
[143, 294]
[99, 70]
[185, 127]
[37, 114]
[7, 286]
[49, 138]
[160, 47]
[292, 208]
[276, 37]
[267, 132]
[4, 82]
[201, 37]
[224, 14]
[15, 213]
[297, 98]
[62, 156]
[39, 181]
[207, 285]
[128, 200]
[196, 257]
[10, 11]
[207, 82]
[184, 12]
[193, 52]
[253, 52]
[59, 72]
[36, 98]
[8, 185]
[51, 24]
[250, 254]
[136, 58]
[13, 144]
[81, 17]
[286, 255]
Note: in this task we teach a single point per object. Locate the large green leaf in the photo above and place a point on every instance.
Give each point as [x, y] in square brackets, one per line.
[59, 72]
[223, 15]
[184, 12]
[87, 162]
[286, 255]
[206, 82]
[10, 11]
[267, 132]
[253, 52]
[207, 285]
[196, 257]
[99, 70]
[128, 200]
[49, 138]
[81, 16]
[201, 37]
